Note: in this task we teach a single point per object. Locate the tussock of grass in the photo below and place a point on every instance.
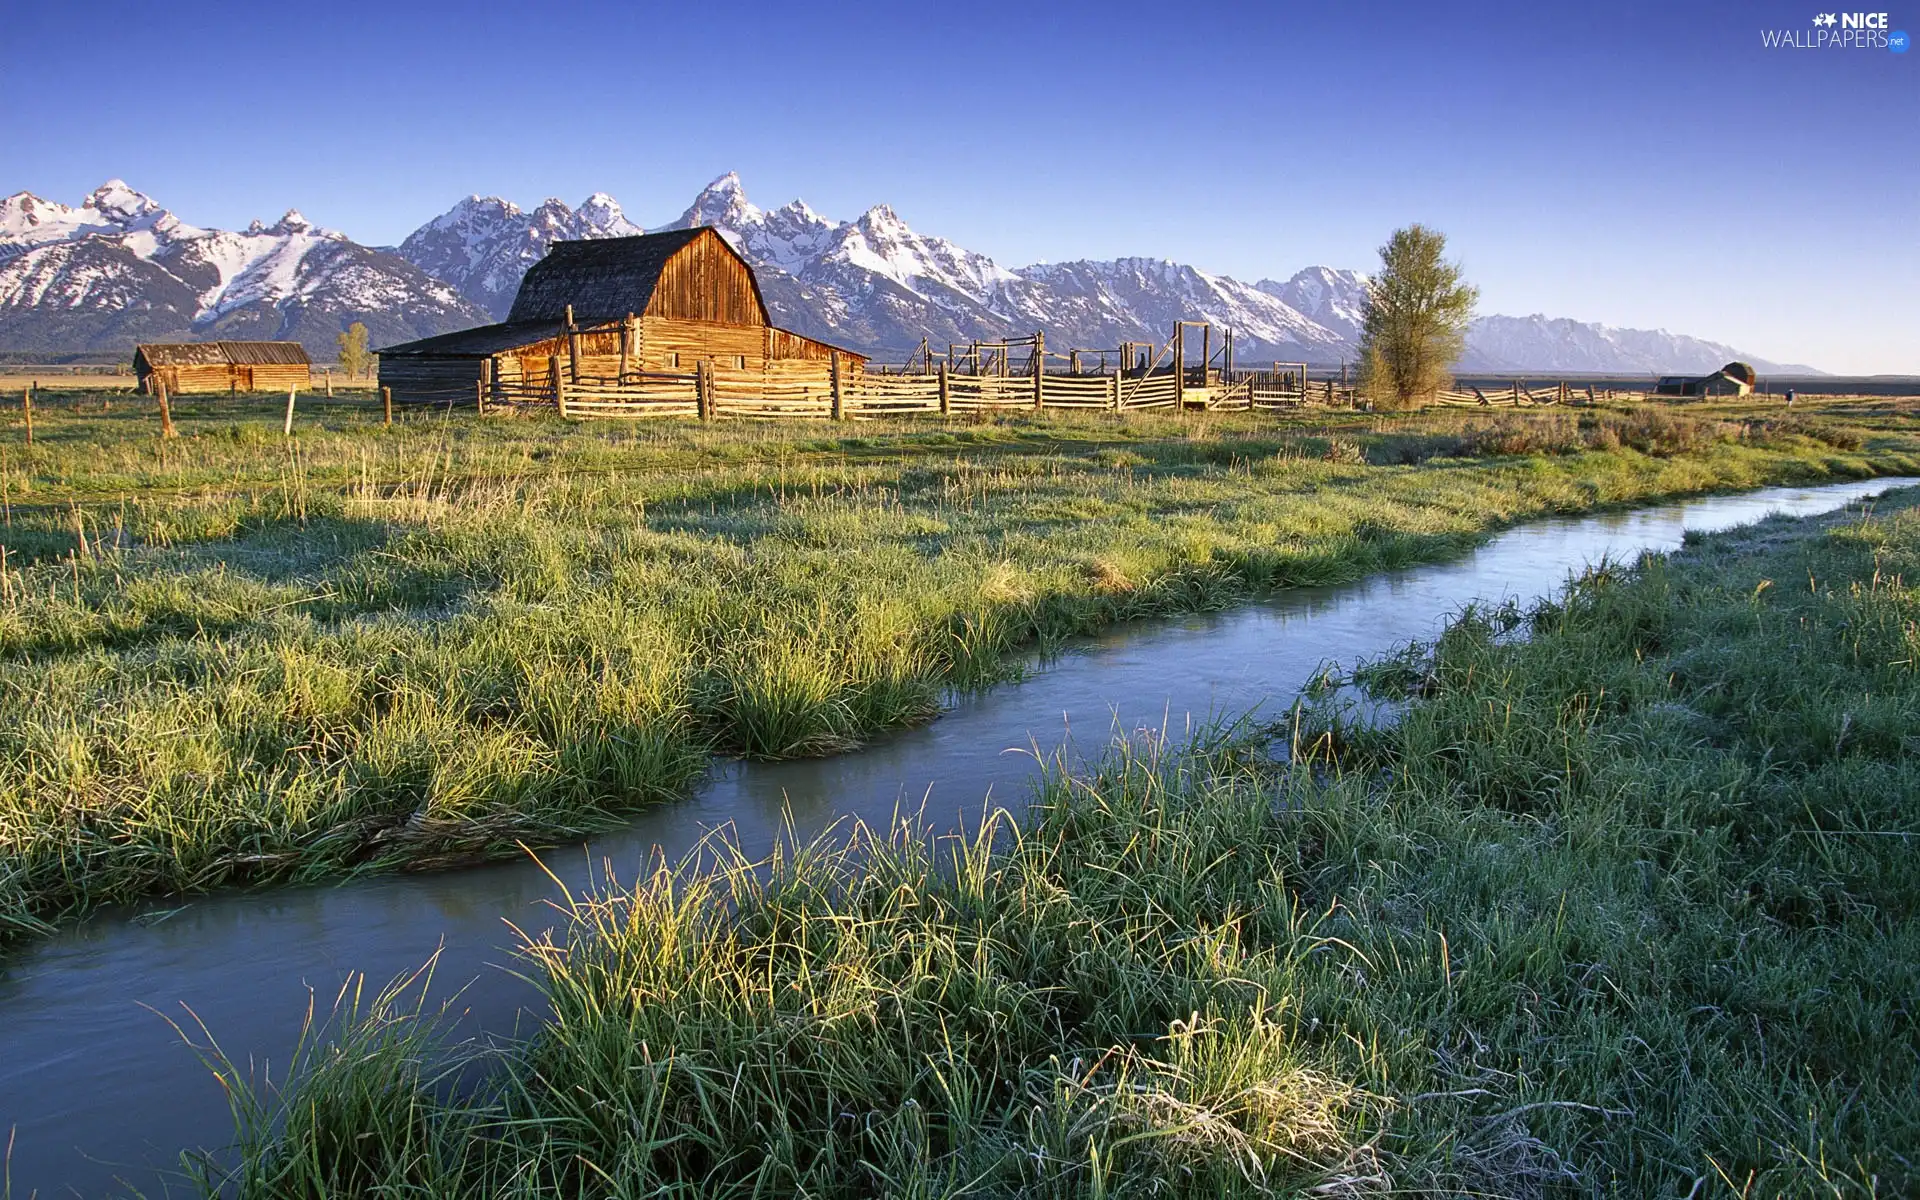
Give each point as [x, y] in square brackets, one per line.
[1625, 907]
[234, 659]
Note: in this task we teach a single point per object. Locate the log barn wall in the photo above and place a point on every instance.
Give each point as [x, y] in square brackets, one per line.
[200, 367]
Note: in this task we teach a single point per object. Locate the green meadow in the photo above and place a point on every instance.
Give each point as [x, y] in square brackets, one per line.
[235, 658]
[1621, 901]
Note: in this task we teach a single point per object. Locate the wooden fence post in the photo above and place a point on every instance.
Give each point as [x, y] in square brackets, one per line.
[166, 413]
[1040, 367]
[26, 402]
[626, 346]
[1179, 366]
[287, 428]
[559, 384]
[480, 396]
[946, 397]
[573, 349]
[833, 369]
[386, 406]
[329, 383]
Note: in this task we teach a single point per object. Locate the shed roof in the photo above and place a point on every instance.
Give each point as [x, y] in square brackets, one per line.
[207, 354]
[604, 278]
[481, 341]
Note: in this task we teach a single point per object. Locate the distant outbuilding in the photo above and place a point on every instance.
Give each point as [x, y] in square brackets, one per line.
[1734, 379]
[222, 366]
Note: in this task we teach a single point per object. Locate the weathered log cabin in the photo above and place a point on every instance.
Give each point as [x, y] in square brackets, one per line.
[615, 309]
[222, 366]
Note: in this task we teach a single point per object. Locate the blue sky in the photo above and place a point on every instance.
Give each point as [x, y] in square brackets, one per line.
[1640, 164]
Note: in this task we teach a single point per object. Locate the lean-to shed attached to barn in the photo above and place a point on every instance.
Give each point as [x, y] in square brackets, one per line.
[658, 303]
[222, 366]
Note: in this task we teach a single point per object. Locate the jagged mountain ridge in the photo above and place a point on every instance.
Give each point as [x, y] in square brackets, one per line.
[120, 269]
[876, 284]
[484, 245]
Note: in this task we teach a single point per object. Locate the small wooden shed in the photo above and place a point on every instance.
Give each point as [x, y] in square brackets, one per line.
[222, 366]
[1734, 379]
[661, 302]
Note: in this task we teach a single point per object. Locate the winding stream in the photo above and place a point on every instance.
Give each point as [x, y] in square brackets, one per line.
[96, 1087]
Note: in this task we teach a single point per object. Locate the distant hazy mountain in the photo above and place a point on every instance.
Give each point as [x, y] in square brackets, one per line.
[1534, 343]
[119, 269]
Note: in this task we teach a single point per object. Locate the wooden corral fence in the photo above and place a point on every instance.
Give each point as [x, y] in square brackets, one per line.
[1006, 375]
[1519, 395]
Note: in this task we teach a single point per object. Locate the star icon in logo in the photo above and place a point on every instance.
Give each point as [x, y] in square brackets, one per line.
[1827, 19]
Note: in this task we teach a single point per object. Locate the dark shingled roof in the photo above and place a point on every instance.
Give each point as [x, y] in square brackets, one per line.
[206, 354]
[480, 342]
[603, 278]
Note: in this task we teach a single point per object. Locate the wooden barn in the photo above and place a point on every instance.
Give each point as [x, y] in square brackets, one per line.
[222, 366]
[615, 309]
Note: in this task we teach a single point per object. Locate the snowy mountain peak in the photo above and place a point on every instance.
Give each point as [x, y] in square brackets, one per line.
[119, 203]
[23, 212]
[602, 215]
[722, 204]
[1328, 296]
[483, 244]
[475, 210]
[882, 219]
[930, 267]
[290, 222]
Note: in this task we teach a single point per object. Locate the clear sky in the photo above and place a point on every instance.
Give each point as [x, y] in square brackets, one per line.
[1642, 164]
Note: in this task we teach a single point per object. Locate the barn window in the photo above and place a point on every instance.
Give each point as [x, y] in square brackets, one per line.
[673, 358]
[740, 361]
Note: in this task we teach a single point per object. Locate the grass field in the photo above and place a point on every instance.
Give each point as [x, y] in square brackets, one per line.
[234, 658]
[1622, 907]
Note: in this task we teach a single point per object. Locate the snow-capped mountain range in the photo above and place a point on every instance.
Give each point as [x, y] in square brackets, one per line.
[119, 268]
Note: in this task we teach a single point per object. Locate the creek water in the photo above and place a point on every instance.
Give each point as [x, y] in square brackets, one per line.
[99, 1093]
